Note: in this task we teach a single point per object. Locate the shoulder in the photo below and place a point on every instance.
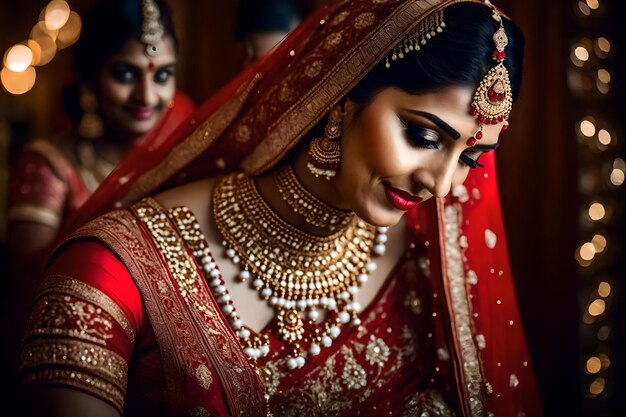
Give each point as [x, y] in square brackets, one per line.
[196, 196]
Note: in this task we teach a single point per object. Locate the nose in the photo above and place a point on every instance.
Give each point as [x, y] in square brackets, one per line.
[437, 177]
[145, 92]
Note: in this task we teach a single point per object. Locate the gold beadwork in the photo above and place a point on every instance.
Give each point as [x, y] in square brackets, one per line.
[302, 201]
[417, 37]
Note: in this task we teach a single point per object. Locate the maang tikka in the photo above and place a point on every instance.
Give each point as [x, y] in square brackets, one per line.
[325, 151]
[493, 99]
[151, 27]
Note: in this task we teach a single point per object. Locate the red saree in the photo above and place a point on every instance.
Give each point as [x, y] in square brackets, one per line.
[464, 354]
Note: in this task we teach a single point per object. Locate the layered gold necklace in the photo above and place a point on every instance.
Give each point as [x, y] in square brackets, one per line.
[297, 273]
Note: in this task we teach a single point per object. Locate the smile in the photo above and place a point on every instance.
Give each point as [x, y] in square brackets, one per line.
[142, 113]
[401, 199]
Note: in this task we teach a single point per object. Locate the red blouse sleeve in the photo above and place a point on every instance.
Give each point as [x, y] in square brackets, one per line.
[83, 325]
[36, 192]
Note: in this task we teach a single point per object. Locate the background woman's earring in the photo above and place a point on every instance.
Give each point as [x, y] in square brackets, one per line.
[325, 151]
[90, 125]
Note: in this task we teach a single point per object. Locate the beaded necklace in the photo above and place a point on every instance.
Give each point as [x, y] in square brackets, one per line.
[298, 274]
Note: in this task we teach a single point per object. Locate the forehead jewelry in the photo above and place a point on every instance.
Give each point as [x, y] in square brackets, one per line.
[151, 28]
[493, 99]
[419, 36]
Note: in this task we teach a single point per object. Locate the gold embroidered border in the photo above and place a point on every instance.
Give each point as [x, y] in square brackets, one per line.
[238, 380]
[68, 285]
[34, 213]
[68, 353]
[454, 277]
[63, 315]
[88, 383]
[196, 143]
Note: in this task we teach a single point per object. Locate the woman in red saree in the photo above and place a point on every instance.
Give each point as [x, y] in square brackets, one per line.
[237, 289]
[124, 93]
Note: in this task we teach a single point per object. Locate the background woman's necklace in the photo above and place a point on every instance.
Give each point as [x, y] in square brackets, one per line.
[298, 274]
[94, 169]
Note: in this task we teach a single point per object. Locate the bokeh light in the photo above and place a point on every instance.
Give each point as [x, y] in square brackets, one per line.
[593, 365]
[587, 251]
[604, 289]
[70, 32]
[587, 128]
[18, 82]
[596, 211]
[604, 76]
[581, 53]
[599, 243]
[56, 14]
[596, 307]
[617, 177]
[18, 58]
[597, 386]
[593, 4]
[604, 137]
[602, 47]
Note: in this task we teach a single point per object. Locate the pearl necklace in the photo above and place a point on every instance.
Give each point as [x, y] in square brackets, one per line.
[296, 273]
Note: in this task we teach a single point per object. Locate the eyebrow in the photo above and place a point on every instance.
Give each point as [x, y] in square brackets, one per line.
[436, 120]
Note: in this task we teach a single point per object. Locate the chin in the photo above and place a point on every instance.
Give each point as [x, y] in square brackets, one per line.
[380, 217]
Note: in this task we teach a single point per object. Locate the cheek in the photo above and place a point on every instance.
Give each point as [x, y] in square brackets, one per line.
[114, 93]
[166, 92]
[385, 148]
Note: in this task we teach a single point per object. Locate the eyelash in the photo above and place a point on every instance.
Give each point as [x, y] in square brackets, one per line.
[126, 76]
[417, 139]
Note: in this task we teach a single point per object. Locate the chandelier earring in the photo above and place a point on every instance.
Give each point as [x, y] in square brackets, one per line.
[325, 151]
[90, 125]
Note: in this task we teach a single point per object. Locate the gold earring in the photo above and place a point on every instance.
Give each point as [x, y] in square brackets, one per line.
[325, 151]
[90, 125]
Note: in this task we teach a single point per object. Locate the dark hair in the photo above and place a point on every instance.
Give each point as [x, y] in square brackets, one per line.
[106, 28]
[266, 16]
[460, 55]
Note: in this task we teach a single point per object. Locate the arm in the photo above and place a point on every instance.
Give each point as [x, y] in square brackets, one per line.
[80, 335]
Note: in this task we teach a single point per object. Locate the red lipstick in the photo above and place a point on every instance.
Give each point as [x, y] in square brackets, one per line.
[401, 199]
[142, 113]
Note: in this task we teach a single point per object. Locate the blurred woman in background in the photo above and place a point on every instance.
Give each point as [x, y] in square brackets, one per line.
[125, 63]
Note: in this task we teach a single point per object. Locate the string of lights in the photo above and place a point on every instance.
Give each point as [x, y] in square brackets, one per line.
[601, 175]
[57, 28]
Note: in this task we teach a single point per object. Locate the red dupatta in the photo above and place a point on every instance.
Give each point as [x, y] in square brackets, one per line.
[258, 117]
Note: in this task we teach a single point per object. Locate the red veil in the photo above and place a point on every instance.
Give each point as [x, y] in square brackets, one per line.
[259, 116]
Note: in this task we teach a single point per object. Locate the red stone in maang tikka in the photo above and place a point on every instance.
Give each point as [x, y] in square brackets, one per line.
[493, 98]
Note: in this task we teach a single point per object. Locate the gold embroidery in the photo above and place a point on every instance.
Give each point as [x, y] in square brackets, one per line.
[203, 374]
[377, 351]
[90, 359]
[364, 20]
[454, 275]
[413, 302]
[353, 375]
[340, 18]
[212, 342]
[64, 315]
[313, 69]
[332, 40]
[86, 382]
[79, 289]
[428, 403]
